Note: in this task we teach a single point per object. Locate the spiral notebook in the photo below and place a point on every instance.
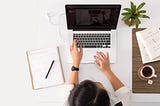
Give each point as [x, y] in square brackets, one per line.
[39, 63]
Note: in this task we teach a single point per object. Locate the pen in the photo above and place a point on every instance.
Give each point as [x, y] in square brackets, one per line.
[49, 69]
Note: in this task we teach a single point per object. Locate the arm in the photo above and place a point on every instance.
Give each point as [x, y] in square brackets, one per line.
[103, 63]
[116, 83]
[76, 56]
[73, 78]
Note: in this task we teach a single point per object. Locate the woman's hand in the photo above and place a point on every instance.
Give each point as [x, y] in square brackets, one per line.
[102, 61]
[76, 54]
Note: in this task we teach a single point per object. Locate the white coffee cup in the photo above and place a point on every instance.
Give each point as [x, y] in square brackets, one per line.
[147, 72]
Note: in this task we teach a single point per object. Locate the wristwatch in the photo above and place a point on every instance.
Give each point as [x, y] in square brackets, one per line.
[73, 68]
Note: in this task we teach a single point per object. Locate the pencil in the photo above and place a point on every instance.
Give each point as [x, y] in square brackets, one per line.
[49, 69]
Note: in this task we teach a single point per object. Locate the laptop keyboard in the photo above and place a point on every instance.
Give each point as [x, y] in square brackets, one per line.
[93, 40]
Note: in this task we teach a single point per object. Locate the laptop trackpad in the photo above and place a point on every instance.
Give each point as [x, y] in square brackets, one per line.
[88, 55]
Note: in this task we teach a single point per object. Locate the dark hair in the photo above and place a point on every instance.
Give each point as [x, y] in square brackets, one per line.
[87, 94]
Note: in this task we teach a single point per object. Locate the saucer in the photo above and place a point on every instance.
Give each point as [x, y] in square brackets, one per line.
[139, 76]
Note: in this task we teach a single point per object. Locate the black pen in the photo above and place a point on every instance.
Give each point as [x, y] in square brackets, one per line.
[49, 69]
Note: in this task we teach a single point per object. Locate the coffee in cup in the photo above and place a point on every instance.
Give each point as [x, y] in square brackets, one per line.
[147, 72]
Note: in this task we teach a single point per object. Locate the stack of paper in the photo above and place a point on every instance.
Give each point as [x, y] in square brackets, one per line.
[149, 44]
[39, 64]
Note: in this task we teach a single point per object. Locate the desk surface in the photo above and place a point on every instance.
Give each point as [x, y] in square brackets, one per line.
[139, 85]
[25, 25]
[124, 49]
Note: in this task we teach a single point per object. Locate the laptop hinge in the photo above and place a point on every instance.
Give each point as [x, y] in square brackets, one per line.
[91, 29]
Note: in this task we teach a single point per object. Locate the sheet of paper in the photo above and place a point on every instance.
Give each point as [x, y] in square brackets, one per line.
[40, 61]
[144, 55]
[150, 37]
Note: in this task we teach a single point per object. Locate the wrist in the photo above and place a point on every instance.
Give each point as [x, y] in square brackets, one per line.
[76, 65]
[73, 68]
[106, 71]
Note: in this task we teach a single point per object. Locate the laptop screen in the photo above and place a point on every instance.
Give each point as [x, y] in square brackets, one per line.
[100, 17]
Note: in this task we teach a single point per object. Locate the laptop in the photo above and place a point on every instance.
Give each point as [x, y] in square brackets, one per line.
[94, 26]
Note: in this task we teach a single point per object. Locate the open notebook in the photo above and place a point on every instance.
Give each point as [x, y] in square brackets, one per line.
[150, 38]
[39, 64]
[144, 55]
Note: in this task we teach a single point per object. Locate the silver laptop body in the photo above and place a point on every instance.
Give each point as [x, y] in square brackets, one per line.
[94, 26]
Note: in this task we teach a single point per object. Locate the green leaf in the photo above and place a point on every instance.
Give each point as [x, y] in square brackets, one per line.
[133, 7]
[145, 16]
[142, 11]
[141, 5]
[137, 22]
[127, 9]
[127, 17]
[126, 13]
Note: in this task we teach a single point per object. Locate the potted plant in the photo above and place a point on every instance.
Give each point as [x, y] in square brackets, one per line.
[132, 15]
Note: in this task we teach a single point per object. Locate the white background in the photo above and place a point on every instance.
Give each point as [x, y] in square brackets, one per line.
[24, 25]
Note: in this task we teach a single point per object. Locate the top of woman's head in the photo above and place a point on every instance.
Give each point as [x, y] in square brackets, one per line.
[88, 94]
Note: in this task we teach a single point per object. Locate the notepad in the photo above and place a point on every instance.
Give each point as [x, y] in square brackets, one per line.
[39, 64]
[144, 55]
[150, 38]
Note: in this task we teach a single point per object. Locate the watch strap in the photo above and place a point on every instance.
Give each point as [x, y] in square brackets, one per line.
[73, 68]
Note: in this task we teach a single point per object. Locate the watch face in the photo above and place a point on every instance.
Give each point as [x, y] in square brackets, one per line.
[74, 68]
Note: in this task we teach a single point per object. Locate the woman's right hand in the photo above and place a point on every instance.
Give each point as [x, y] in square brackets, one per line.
[76, 54]
[102, 61]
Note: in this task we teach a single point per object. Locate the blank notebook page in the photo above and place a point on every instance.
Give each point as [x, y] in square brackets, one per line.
[40, 61]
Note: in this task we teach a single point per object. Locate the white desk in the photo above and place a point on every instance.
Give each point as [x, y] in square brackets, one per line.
[23, 31]
[123, 67]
